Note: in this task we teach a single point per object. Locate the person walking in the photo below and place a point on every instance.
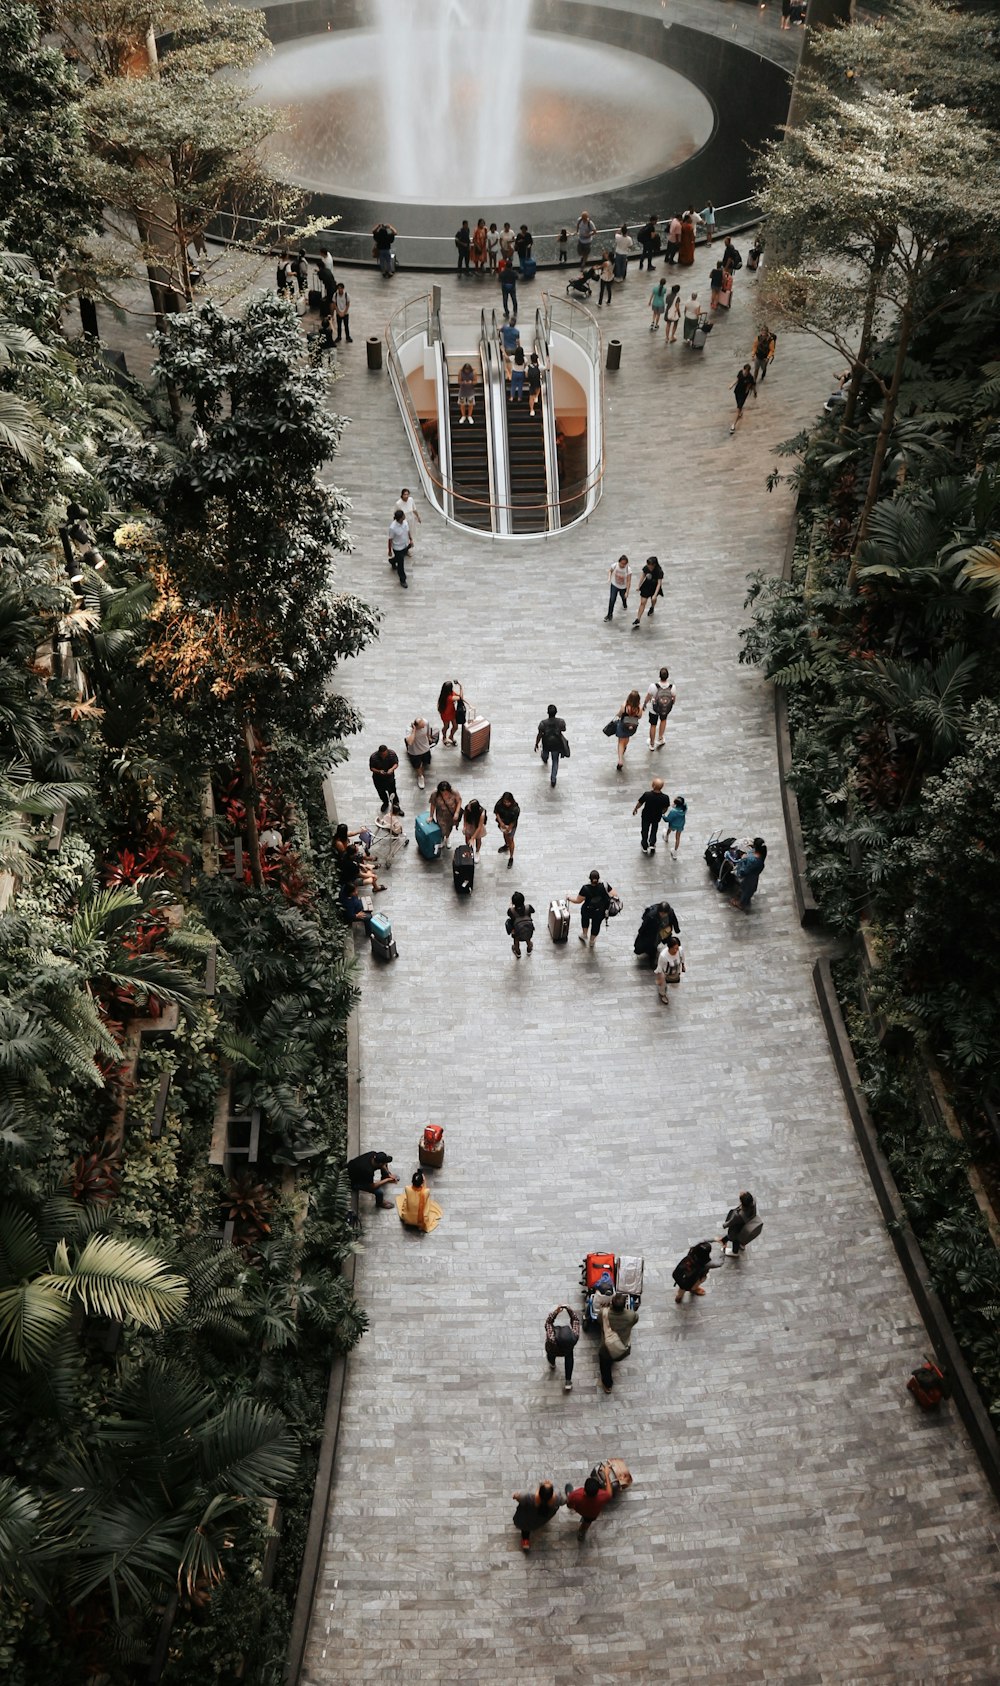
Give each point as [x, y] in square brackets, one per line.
[383, 234]
[657, 302]
[449, 698]
[669, 966]
[762, 352]
[361, 1174]
[732, 257]
[690, 1271]
[743, 386]
[658, 923]
[620, 579]
[463, 245]
[607, 278]
[624, 247]
[676, 821]
[412, 514]
[654, 803]
[342, 312]
[617, 1322]
[748, 870]
[659, 699]
[627, 725]
[589, 1500]
[418, 748]
[383, 764]
[736, 1220]
[399, 544]
[673, 313]
[466, 394]
[585, 231]
[474, 825]
[551, 738]
[507, 813]
[560, 1339]
[650, 587]
[692, 311]
[480, 246]
[535, 1509]
[534, 382]
[594, 902]
[445, 807]
[415, 1207]
[508, 288]
[518, 370]
[715, 281]
[648, 239]
[708, 222]
[520, 925]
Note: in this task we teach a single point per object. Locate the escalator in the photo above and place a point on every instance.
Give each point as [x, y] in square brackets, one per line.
[470, 462]
[529, 492]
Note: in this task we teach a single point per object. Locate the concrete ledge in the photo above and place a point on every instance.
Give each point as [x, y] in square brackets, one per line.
[964, 1391]
[312, 1554]
[805, 902]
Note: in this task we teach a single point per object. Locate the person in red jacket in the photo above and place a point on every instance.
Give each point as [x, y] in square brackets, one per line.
[589, 1500]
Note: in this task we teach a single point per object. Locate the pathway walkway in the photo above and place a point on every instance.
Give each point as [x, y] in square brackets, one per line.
[793, 1519]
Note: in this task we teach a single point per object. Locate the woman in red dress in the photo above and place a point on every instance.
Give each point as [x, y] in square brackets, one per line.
[451, 695]
[687, 240]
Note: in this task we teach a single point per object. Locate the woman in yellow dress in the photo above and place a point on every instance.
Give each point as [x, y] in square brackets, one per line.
[415, 1207]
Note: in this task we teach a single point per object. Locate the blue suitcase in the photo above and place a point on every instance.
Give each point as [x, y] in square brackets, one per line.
[430, 837]
[383, 942]
[529, 269]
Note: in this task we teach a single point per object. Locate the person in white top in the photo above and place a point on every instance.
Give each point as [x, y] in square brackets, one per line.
[624, 244]
[620, 577]
[411, 514]
[399, 544]
[692, 311]
[659, 699]
[669, 966]
[672, 314]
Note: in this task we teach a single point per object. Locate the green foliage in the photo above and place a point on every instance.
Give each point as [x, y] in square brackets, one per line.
[45, 203]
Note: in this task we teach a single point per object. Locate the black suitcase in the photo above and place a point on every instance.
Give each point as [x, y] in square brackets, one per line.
[315, 298]
[463, 869]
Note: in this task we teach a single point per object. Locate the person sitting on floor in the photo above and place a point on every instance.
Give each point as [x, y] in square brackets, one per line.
[415, 1207]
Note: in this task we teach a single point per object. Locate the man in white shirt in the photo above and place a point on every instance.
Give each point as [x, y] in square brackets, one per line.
[342, 311]
[673, 240]
[411, 514]
[620, 579]
[585, 231]
[399, 544]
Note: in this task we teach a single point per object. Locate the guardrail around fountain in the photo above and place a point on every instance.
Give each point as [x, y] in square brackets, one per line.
[575, 322]
[418, 251]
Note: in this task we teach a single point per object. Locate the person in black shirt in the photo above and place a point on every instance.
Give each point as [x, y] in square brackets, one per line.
[654, 803]
[550, 735]
[463, 243]
[658, 921]
[595, 898]
[383, 764]
[507, 813]
[361, 1174]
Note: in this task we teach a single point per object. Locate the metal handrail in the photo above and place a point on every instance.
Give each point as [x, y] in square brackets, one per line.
[547, 400]
[430, 469]
[243, 230]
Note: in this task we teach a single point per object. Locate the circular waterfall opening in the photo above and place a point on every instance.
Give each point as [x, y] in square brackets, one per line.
[429, 124]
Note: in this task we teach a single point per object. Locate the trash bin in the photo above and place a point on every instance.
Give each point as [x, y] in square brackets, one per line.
[374, 348]
[614, 357]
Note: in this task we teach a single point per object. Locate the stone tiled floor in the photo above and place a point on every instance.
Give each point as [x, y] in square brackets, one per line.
[793, 1517]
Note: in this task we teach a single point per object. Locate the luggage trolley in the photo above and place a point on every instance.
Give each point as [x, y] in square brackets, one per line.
[603, 1274]
[388, 839]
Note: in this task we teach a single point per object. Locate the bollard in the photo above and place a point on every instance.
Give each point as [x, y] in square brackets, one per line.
[373, 346]
[614, 357]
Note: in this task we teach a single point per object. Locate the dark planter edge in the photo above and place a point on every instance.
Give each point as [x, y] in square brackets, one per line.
[312, 1553]
[805, 902]
[964, 1391]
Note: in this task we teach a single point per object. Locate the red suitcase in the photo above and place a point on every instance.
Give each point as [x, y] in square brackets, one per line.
[430, 1150]
[475, 739]
[596, 1265]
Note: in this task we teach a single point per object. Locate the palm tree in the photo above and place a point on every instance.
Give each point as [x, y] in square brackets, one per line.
[157, 1491]
[20, 432]
[926, 703]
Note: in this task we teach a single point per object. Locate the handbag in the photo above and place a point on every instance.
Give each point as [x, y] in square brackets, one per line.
[611, 728]
[461, 712]
[433, 736]
[615, 905]
[564, 746]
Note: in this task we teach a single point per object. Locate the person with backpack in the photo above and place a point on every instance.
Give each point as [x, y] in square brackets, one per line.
[535, 1509]
[551, 737]
[594, 902]
[617, 1323]
[626, 725]
[732, 258]
[762, 352]
[520, 924]
[659, 699]
[560, 1339]
[654, 803]
[690, 1271]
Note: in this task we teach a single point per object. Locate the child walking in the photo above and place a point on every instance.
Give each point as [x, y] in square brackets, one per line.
[676, 820]
[669, 966]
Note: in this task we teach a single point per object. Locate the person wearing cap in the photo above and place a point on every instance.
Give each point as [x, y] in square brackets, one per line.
[361, 1174]
[589, 1500]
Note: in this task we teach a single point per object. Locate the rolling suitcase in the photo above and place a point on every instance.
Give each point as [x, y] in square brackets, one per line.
[430, 837]
[596, 1265]
[383, 942]
[628, 1277]
[475, 739]
[430, 1150]
[463, 869]
[315, 298]
[529, 269]
[559, 921]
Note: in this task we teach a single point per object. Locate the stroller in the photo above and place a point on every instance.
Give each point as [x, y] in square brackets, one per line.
[580, 286]
[387, 839]
[716, 850]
